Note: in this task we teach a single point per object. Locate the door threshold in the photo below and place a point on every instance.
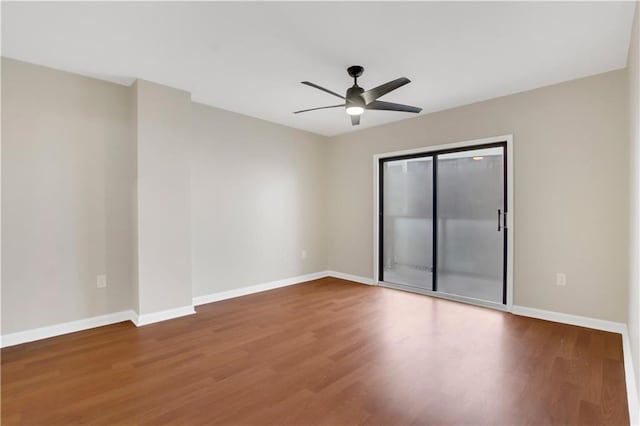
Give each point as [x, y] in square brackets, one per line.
[452, 297]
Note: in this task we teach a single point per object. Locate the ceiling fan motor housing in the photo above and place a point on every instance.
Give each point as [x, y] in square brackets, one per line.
[354, 96]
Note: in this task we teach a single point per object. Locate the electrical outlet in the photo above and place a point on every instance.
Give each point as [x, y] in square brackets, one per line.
[561, 279]
[303, 254]
[101, 281]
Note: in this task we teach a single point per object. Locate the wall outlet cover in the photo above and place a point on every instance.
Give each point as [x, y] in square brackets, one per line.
[101, 281]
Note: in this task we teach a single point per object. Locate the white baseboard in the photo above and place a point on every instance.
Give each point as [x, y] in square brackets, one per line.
[349, 277]
[243, 291]
[65, 328]
[597, 324]
[145, 319]
[630, 379]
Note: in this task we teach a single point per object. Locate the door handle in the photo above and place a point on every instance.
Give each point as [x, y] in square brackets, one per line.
[499, 218]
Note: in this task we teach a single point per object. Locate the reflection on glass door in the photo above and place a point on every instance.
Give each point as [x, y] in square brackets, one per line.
[463, 253]
[408, 222]
[470, 208]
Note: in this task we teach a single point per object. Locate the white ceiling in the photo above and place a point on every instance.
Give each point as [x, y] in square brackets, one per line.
[250, 57]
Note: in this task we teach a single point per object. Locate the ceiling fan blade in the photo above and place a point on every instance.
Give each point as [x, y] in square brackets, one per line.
[355, 120]
[308, 83]
[373, 94]
[390, 106]
[313, 109]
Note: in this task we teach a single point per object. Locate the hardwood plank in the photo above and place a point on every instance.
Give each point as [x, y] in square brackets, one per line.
[325, 352]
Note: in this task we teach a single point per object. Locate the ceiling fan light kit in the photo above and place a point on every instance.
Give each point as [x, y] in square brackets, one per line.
[355, 110]
[357, 100]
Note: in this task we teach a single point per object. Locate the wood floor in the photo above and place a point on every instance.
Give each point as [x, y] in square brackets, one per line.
[326, 352]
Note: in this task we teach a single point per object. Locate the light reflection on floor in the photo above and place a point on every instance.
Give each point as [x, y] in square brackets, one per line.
[419, 352]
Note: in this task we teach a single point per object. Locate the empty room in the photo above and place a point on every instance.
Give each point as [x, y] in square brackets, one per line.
[320, 213]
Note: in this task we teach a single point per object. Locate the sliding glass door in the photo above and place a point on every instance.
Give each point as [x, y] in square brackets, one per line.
[470, 207]
[462, 253]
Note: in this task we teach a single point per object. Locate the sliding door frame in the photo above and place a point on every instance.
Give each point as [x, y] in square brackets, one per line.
[433, 151]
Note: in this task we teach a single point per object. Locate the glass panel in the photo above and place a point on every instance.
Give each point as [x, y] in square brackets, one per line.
[470, 247]
[408, 222]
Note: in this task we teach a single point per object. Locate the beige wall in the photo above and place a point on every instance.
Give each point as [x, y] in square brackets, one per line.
[258, 201]
[163, 136]
[571, 189]
[67, 177]
[97, 177]
[633, 70]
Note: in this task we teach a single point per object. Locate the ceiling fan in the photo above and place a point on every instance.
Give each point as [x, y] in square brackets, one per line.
[357, 99]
